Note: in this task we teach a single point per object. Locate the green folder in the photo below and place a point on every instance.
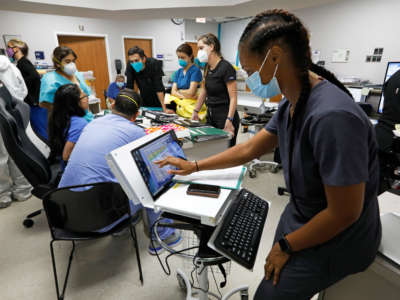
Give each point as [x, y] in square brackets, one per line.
[207, 133]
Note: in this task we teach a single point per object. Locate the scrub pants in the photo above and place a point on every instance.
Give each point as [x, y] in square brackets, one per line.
[12, 182]
[312, 270]
[216, 116]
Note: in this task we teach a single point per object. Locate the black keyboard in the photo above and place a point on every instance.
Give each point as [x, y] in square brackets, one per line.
[241, 229]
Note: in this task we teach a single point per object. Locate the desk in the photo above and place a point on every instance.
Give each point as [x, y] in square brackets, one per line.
[381, 280]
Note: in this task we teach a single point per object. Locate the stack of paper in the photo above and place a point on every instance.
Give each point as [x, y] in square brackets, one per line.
[230, 178]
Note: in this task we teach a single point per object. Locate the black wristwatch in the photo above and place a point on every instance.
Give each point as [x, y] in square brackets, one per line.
[285, 246]
[230, 119]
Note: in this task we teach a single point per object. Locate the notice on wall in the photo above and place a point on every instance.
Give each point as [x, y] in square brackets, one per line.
[340, 55]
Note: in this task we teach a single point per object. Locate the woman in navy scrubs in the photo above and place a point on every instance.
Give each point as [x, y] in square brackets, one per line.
[188, 77]
[331, 226]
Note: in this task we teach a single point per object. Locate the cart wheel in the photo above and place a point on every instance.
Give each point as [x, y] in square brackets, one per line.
[274, 170]
[181, 282]
[280, 191]
[253, 174]
[28, 223]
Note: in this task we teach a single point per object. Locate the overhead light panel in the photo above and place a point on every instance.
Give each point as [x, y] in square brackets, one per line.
[201, 20]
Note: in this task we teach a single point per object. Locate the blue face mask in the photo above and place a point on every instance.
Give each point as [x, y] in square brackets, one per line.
[120, 84]
[200, 64]
[183, 63]
[259, 89]
[137, 66]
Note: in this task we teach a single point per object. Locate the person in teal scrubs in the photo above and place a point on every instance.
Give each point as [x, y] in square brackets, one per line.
[188, 77]
[64, 59]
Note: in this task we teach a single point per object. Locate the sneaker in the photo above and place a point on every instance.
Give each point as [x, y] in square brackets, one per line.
[21, 198]
[172, 241]
[5, 202]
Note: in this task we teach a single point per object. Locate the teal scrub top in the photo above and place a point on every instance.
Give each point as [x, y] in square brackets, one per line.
[52, 81]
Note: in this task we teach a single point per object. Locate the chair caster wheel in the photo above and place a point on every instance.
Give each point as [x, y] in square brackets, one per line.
[28, 223]
[181, 282]
[252, 174]
[281, 191]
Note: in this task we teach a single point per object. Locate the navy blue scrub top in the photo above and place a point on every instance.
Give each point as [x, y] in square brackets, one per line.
[193, 74]
[335, 145]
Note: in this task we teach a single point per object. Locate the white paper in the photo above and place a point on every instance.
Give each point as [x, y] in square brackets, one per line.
[341, 55]
[227, 178]
[389, 203]
[175, 200]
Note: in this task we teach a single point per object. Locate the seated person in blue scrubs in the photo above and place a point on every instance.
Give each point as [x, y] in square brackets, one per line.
[64, 59]
[115, 87]
[67, 120]
[187, 78]
[87, 163]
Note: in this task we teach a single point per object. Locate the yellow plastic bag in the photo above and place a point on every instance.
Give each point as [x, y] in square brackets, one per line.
[185, 107]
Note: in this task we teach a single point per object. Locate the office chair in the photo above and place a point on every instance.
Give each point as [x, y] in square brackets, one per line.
[30, 161]
[75, 213]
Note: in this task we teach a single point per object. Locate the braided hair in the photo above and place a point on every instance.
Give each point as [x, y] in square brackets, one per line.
[281, 27]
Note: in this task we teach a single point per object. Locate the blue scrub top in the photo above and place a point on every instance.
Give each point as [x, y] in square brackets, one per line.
[50, 82]
[76, 128]
[193, 74]
[113, 90]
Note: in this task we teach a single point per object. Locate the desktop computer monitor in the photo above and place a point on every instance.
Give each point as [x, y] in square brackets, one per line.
[157, 179]
[392, 67]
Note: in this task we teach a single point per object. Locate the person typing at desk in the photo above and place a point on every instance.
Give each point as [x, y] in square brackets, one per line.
[331, 226]
[87, 163]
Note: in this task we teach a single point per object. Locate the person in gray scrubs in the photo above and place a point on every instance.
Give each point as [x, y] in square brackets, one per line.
[331, 226]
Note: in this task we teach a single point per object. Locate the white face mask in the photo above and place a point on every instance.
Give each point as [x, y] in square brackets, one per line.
[202, 55]
[70, 69]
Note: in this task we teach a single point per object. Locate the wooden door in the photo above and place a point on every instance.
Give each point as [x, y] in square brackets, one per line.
[92, 56]
[194, 47]
[145, 44]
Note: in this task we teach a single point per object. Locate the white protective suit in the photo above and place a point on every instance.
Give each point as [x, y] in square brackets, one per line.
[13, 185]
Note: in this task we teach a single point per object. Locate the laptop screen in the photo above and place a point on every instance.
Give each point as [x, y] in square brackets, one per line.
[157, 179]
[392, 67]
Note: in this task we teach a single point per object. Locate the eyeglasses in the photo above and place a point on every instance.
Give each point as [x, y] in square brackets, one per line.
[83, 97]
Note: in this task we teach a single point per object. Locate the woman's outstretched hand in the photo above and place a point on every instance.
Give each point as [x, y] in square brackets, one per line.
[184, 167]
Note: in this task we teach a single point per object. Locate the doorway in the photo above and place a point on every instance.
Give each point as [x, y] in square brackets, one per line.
[194, 48]
[92, 56]
[145, 43]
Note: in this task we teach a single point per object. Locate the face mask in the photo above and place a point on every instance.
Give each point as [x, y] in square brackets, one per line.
[137, 66]
[120, 84]
[70, 69]
[200, 64]
[183, 63]
[259, 89]
[10, 52]
[202, 56]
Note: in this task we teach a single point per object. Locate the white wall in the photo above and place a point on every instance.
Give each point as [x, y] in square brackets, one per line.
[194, 30]
[38, 30]
[230, 35]
[357, 25]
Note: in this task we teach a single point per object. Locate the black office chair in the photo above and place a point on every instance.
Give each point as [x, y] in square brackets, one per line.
[74, 214]
[30, 161]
